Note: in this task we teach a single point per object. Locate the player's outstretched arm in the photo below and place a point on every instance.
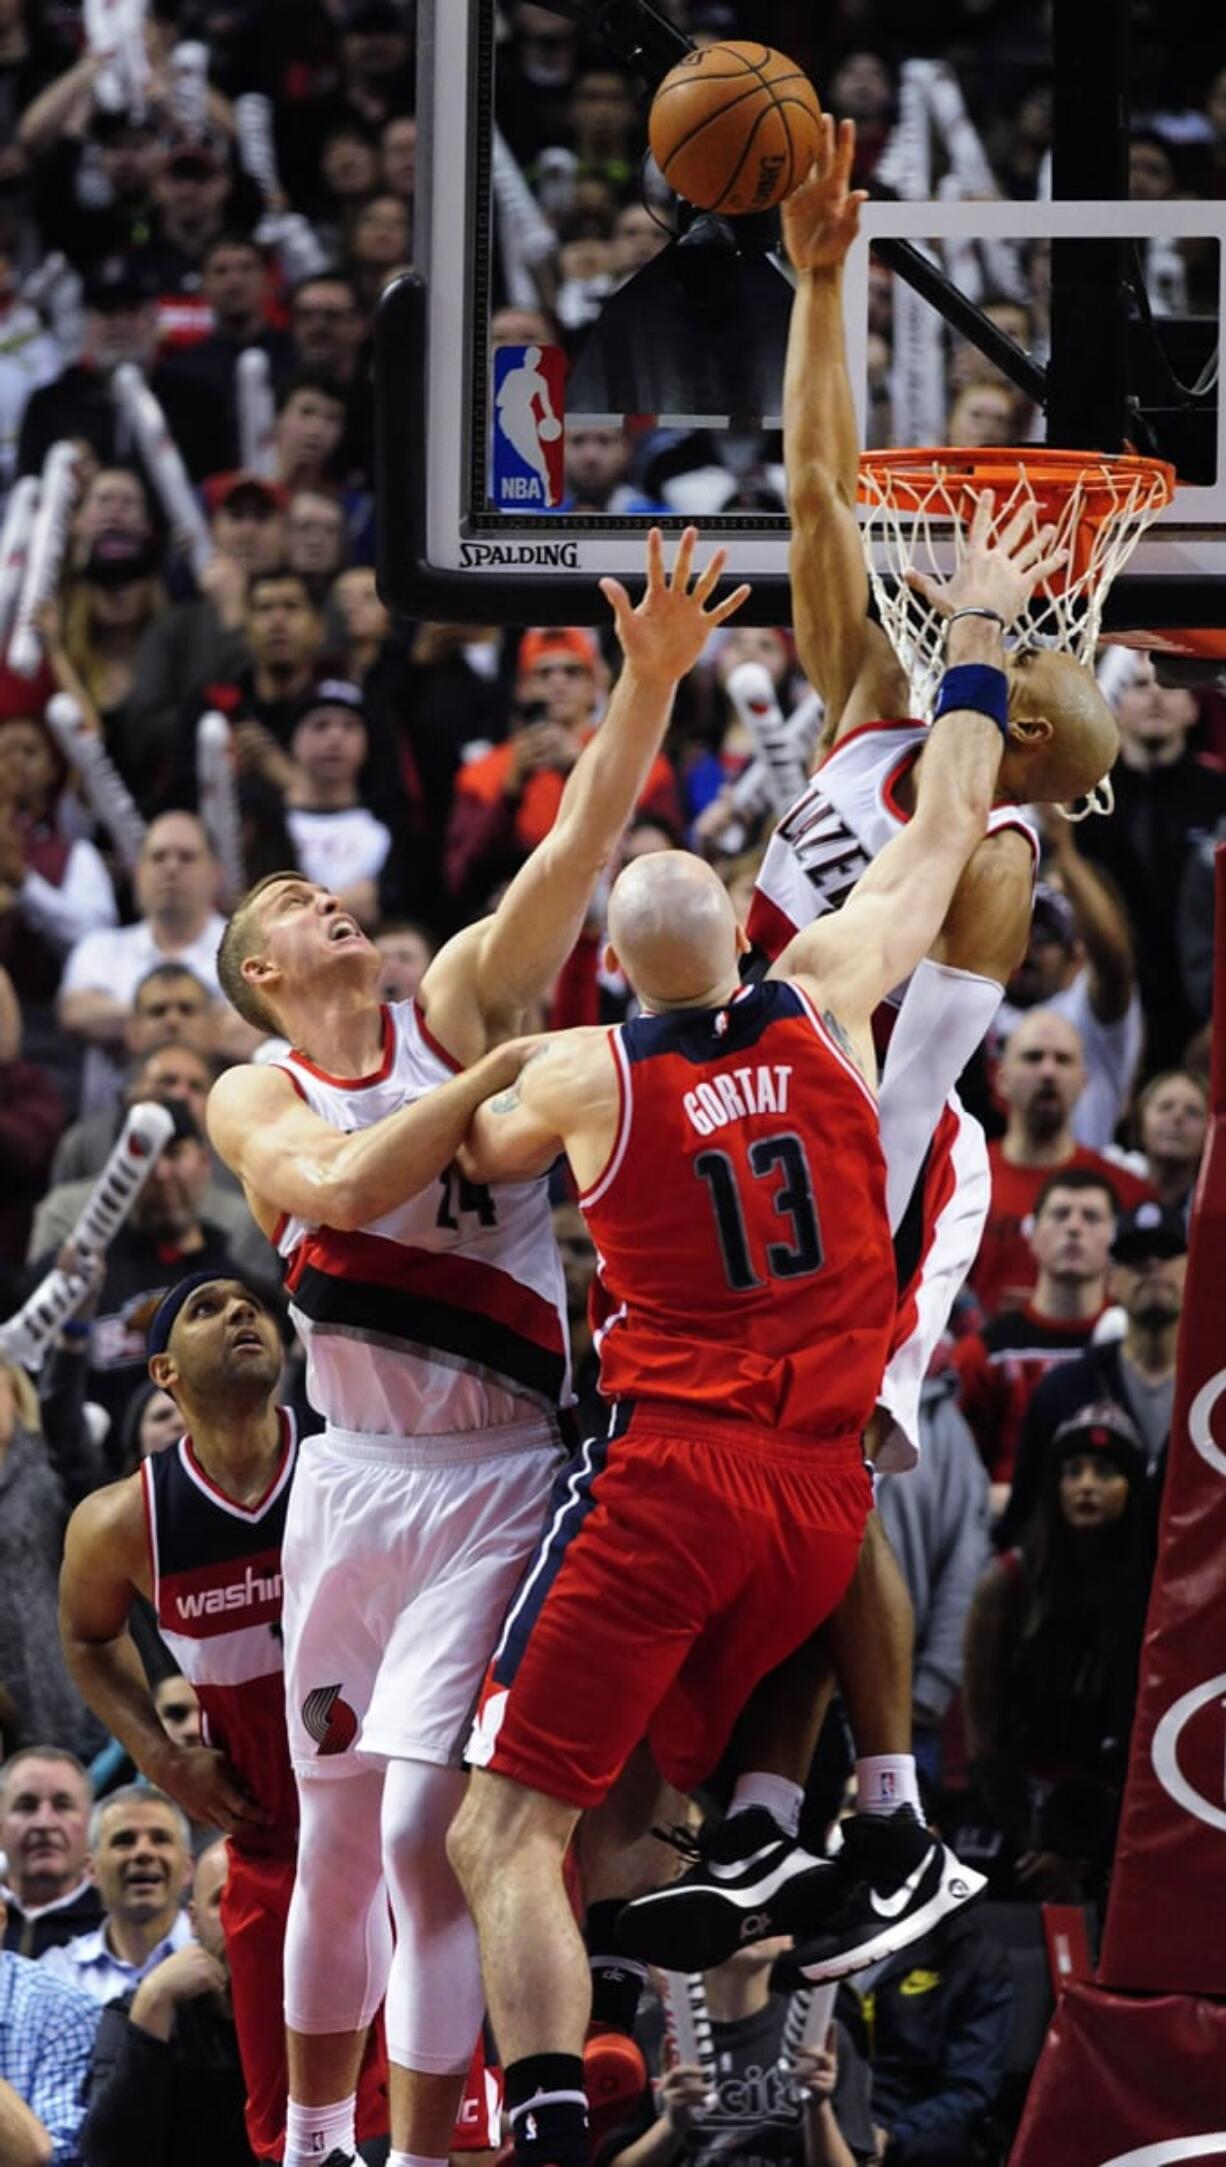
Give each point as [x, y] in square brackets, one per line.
[564, 1099]
[846, 657]
[105, 1562]
[895, 913]
[481, 983]
[289, 1160]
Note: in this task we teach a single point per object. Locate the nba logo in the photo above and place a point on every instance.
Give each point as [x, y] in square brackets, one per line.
[528, 441]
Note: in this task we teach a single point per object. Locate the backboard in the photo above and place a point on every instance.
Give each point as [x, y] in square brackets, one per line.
[673, 377]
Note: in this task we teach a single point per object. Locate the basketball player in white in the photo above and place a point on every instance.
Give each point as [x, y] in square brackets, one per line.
[1062, 740]
[520, 393]
[433, 1315]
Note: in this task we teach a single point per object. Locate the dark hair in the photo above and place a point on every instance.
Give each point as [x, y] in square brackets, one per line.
[336, 277]
[1077, 1177]
[162, 973]
[232, 237]
[273, 575]
[311, 380]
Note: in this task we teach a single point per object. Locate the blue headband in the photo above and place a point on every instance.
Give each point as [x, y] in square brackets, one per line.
[162, 1322]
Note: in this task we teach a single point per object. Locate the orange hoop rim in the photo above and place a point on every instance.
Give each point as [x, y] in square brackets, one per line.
[1054, 474]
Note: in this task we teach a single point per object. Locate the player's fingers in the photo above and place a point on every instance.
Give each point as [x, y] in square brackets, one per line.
[617, 598]
[826, 146]
[727, 609]
[981, 519]
[1044, 569]
[845, 152]
[684, 560]
[1036, 545]
[655, 561]
[928, 589]
[1020, 529]
[708, 579]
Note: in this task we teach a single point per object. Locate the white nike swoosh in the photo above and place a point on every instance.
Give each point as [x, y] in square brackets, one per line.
[742, 1866]
[889, 1907]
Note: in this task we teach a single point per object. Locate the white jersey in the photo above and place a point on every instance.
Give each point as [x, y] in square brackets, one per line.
[447, 1315]
[837, 826]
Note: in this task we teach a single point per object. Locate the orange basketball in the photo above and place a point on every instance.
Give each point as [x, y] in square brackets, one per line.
[734, 127]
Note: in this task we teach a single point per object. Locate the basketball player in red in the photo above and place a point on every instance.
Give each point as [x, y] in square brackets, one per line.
[197, 1532]
[1061, 741]
[433, 1314]
[729, 1165]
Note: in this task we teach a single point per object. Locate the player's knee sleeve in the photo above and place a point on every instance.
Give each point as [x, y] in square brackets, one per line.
[435, 2001]
[338, 1940]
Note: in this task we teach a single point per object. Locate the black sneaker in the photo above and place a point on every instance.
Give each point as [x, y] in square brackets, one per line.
[337, 2158]
[750, 1879]
[896, 1881]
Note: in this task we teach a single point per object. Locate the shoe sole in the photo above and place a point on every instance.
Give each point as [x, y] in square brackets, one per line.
[696, 1929]
[955, 1893]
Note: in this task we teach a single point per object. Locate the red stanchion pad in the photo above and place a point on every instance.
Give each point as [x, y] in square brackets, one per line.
[1128, 2081]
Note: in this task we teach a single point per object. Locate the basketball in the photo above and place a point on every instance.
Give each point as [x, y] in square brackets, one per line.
[734, 127]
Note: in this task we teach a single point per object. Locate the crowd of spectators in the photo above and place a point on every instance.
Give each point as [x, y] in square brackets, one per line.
[411, 767]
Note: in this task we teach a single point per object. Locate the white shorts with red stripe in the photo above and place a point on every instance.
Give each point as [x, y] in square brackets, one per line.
[400, 1560]
[943, 1230]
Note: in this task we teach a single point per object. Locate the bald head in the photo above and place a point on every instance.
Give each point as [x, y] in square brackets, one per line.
[1055, 764]
[1041, 1075]
[674, 931]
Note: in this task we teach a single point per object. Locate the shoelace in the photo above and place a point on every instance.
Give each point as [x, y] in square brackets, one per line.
[682, 1840]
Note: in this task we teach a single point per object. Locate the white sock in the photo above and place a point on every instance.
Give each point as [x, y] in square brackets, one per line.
[781, 1798]
[885, 1781]
[413, 2159]
[311, 2133]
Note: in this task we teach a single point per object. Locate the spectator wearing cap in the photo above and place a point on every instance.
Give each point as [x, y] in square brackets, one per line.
[1079, 963]
[176, 891]
[1149, 1265]
[337, 840]
[1000, 1367]
[1040, 1080]
[191, 194]
[507, 800]
[202, 643]
[140, 1857]
[120, 326]
[165, 1237]
[1166, 799]
[1050, 1668]
[47, 2035]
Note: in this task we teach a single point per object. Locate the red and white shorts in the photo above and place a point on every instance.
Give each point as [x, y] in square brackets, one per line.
[936, 1244]
[683, 1558]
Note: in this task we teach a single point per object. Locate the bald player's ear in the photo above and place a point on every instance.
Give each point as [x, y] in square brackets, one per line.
[743, 942]
[1028, 732]
[612, 961]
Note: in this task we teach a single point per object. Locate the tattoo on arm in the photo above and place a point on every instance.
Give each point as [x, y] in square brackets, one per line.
[508, 1101]
[841, 1037]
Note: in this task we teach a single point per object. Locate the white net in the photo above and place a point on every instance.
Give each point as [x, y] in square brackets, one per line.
[915, 505]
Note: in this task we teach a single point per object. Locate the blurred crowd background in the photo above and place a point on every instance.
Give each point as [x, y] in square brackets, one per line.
[412, 766]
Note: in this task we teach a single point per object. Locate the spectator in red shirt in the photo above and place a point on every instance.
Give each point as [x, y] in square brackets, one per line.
[508, 799]
[999, 1367]
[1041, 1078]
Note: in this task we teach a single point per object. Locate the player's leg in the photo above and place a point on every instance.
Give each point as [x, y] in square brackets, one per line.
[338, 1953]
[435, 2000]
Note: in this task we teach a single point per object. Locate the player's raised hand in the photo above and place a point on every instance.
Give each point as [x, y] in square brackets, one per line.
[998, 571]
[663, 637]
[821, 218]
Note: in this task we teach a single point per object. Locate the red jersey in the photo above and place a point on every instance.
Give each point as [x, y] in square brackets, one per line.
[743, 1246]
[217, 1592]
[1005, 1271]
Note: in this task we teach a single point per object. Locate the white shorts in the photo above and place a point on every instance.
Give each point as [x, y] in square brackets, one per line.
[953, 1210]
[400, 1560]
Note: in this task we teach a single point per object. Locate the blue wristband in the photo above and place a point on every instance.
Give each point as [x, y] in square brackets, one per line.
[975, 685]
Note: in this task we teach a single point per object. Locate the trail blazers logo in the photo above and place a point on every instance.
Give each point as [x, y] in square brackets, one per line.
[328, 1719]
